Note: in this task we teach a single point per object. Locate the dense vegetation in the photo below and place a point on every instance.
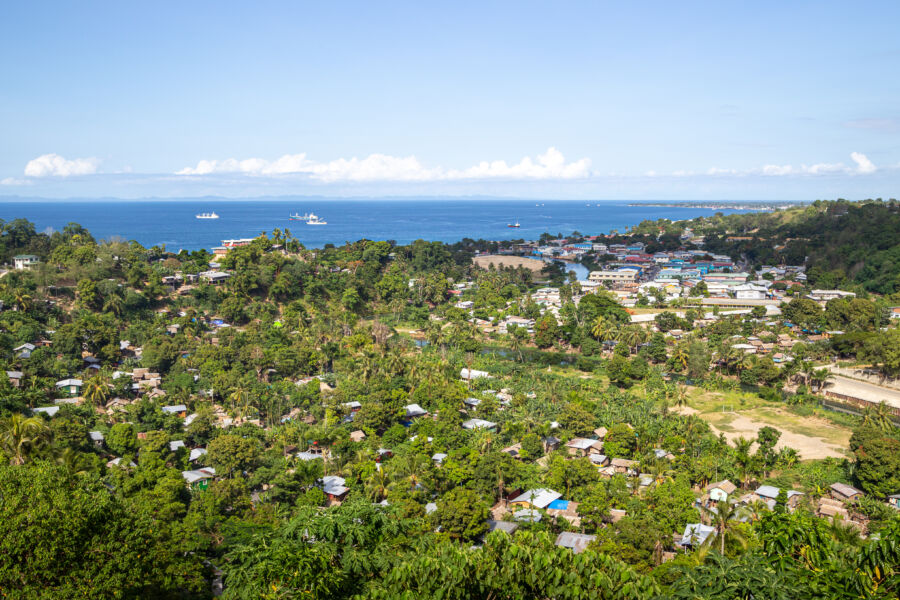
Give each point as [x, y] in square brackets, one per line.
[311, 332]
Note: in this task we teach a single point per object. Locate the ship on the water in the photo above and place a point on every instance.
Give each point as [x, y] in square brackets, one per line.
[314, 220]
[299, 217]
[209, 215]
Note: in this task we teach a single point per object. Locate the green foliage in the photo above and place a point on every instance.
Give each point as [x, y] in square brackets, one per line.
[64, 536]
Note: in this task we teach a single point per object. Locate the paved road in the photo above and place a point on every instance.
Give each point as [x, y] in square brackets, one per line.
[863, 391]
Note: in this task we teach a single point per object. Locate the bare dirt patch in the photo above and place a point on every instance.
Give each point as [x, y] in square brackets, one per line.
[509, 261]
[811, 437]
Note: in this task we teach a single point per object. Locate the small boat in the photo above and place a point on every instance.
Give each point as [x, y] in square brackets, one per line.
[211, 215]
[299, 217]
[314, 220]
[516, 224]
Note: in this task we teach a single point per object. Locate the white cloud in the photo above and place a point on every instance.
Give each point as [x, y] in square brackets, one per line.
[382, 167]
[863, 164]
[14, 181]
[54, 165]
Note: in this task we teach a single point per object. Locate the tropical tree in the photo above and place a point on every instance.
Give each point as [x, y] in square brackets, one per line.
[21, 437]
[725, 520]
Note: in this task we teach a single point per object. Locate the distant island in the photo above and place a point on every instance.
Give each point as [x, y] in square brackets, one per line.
[761, 206]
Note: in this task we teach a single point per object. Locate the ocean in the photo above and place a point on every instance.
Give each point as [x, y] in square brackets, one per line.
[172, 223]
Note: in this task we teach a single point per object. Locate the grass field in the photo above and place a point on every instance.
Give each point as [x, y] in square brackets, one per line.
[740, 414]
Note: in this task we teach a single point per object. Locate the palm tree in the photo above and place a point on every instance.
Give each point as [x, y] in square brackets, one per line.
[22, 300]
[603, 329]
[21, 437]
[724, 520]
[681, 356]
[96, 391]
[819, 378]
[879, 415]
[378, 484]
[680, 396]
[114, 304]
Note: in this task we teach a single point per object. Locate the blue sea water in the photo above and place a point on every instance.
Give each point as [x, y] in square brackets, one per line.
[172, 222]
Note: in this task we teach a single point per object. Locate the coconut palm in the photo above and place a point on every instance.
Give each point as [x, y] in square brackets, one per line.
[724, 520]
[603, 329]
[114, 304]
[96, 390]
[22, 437]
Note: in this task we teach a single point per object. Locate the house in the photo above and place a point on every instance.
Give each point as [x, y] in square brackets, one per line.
[749, 291]
[536, 498]
[513, 450]
[894, 500]
[695, 534]
[601, 460]
[199, 479]
[175, 445]
[844, 493]
[96, 438]
[15, 378]
[577, 542]
[25, 261]
[414, 410]
[769, 495]
[506, 526]
[430, 508]
[24, 351]
[601, 432]
[70, 387]
[439, 457]
[335, 487]
[720, 490]
[214, 277]
[357, 436]
[175, 409]
[826, 295]
[623, 465]
[478, 424]
[197, 454]
[583, 447]
[469, 374]
[550, 443]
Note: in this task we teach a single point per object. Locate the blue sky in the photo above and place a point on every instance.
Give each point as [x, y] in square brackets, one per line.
[763, 100]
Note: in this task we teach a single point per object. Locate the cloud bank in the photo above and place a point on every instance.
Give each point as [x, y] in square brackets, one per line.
[54, 165]
[382, 167]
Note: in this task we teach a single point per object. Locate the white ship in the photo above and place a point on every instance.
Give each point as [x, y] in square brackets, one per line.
[314, 220]
[299, 217]
[211, 215]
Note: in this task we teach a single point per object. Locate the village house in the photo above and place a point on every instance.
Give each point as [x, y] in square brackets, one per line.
[25, 261]
[70, 387]
[583, 446]
[577, 542]
[199, 479]
[536, 498]
[844, 493]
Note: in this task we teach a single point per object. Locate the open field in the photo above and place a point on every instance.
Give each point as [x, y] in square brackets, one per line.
[534, 264]
[812, 436]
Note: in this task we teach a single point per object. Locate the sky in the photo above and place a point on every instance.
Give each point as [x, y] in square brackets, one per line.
[603, 100]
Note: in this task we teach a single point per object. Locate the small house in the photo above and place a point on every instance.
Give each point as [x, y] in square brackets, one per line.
[199, 479]
[844, 493]
[414, 411]
[25, 261]
[623, 465]
[15, 378]
[478, 424]
[175, 409]
[536, 498]
[695, 534]
[24, 350]
[577, 542]
[96, 438]
[335, 487]
[70, 387]
[583, 447]
[720, 490]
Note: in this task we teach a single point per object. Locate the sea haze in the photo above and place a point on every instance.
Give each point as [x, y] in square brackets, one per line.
[173, 222]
